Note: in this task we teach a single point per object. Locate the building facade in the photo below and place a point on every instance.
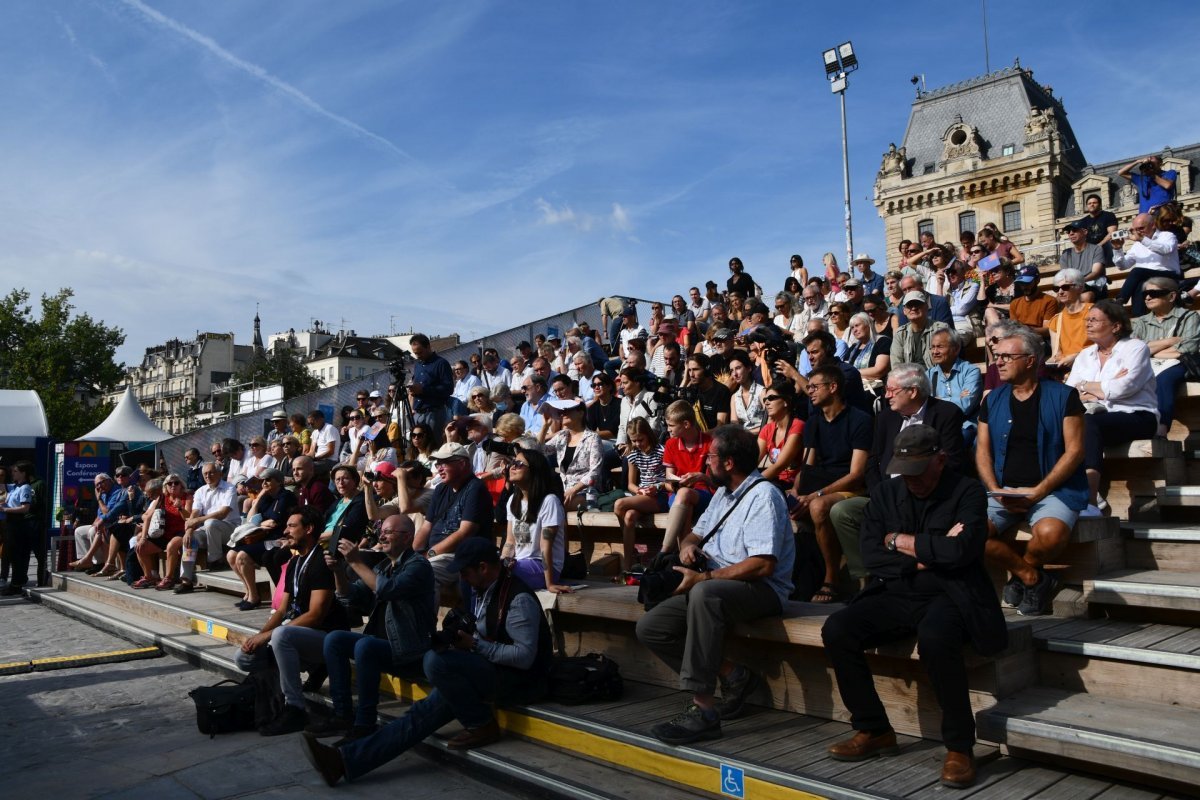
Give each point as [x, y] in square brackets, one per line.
[174, 382]
[998, 148]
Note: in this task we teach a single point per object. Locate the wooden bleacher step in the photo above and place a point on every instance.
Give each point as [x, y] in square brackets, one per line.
[1156, 740]
[1178, 591]
[227, 582]
[1179, 496]
[1133, 660]
[1174, 548]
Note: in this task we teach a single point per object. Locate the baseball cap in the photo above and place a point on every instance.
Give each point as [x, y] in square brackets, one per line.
[450, 451]
[1075, 226]
[1028, 275]
[722, 333]
[472, 552]
[914, 448]
[914, 297]
[384, 468]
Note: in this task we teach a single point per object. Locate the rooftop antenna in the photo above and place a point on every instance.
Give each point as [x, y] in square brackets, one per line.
[987, 59]
[392, 323]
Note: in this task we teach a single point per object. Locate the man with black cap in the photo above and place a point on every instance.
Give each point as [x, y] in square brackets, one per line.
[1088, 258]
[501, 656]
[922, 542]
[460, 509]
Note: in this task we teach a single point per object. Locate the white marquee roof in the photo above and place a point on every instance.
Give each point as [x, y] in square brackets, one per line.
[126, 423]
[23, 417]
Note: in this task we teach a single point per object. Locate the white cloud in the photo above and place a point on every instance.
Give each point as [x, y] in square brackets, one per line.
[616, 220]
[556, 216]
[620, 218]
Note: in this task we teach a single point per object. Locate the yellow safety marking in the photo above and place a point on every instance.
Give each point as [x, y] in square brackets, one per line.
[107, 654]
[209, 628]
[631, 756]
[13, 665]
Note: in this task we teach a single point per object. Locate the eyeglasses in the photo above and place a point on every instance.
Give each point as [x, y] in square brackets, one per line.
[352, 416]
[1155, 293]
[814, 385]
[597, 384]
[1004, 358]
[173, 483]
[1066, 287]
[975, 251]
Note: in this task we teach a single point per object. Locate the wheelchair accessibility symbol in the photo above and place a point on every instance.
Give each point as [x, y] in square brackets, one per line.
[733, 781]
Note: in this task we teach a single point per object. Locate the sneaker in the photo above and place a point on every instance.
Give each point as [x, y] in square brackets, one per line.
[1038, 597]
[735, 693]
[693, 725]
[290, 720]
[1014, 592]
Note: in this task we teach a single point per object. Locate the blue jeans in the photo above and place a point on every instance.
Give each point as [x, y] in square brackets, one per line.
[464, 684]
[1167, 385]
[372, 657]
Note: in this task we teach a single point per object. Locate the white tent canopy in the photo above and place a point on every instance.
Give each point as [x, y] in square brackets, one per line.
[126, 423]
[24, 418]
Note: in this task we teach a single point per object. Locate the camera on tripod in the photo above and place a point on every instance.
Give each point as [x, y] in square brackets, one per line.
[399, 367]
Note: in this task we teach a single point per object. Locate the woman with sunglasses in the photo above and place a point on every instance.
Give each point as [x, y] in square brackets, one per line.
[536, 545]
[175, 504]
[578, 454]
[876, 309]
[1169, 331]
[839, 321]
[420, 447]
[786, 318]
[604, 412]
[781, 440]
[869, 352]
[1068, 328]
[1001, 289]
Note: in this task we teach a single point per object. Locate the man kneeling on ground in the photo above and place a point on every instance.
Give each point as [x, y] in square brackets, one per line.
[922, 539]
[397, 597]
[745, 551]
[502, 659]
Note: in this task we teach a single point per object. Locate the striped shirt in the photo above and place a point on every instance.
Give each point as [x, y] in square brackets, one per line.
[651, 470]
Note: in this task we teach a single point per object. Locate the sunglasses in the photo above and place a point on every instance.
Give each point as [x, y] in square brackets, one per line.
[771, 398]
[1156, 293]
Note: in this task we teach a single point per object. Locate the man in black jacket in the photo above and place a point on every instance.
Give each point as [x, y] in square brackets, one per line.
[922, 541]
[908, 403]
[504, 659]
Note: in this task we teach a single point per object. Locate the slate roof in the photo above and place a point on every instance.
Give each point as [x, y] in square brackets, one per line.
[351, 346]
[997, 104]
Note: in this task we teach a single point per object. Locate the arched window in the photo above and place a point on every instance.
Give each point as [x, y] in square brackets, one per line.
[925, 226]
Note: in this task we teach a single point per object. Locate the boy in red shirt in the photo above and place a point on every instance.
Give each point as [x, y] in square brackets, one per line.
[683, 456]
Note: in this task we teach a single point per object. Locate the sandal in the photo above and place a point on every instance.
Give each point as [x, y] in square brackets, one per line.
[826, 594]
[166, 583]
[107, 572]
[144, 583]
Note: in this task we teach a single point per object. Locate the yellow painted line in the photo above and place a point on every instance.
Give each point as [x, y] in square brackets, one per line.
[629, 756]
[13, 665]
[87, 656]
[209, 628]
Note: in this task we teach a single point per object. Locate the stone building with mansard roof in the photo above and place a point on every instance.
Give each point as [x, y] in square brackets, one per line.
[999, 148]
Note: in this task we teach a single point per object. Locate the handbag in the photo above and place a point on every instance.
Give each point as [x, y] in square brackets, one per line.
[158, 524]
[661, 579]
[593, 678]
[224, 707]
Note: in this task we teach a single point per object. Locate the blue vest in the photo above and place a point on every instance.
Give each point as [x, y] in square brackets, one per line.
[1052, 410]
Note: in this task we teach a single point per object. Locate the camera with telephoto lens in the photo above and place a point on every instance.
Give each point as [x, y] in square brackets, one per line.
[506, 449]
[456, 620]
[661, 579]
[399, 368]
[774, 349]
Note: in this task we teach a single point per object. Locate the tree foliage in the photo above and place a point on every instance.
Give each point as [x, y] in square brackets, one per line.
[282, 366]
[68, 361]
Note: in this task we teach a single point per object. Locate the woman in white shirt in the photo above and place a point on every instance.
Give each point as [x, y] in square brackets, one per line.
[1117, 387]
[537, 539]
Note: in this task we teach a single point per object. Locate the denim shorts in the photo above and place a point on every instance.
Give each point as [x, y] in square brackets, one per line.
[1049, 507]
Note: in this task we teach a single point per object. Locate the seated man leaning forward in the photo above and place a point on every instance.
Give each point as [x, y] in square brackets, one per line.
[500, 655]
[922, 541]
[309, 608]
[1029, 456]
[397, 599]
[747, 561]
[461, 508]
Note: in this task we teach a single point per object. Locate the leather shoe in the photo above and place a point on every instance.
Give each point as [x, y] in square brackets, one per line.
[325, 759]
[863, 745]
[475, 737]
[958, 770]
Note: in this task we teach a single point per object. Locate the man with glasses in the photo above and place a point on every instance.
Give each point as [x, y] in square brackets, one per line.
[954, 379]
[837, 443]
[279, 425]
[1029, 457]
[1153, 253]
[535, 390]
[1087, 258]
[910, 401]
[464, 382]
[747, 571]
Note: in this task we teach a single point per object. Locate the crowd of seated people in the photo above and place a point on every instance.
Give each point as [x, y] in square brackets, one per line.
[825, 371]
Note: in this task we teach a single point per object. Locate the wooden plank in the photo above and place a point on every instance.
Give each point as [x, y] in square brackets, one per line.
[1130, 674]
[1073, 787]
[1126, 792]
[1147, 637]
[1021, 784]
[1151, 738]
[1186, 641]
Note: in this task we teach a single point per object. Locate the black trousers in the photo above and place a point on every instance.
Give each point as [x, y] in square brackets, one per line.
[889, 615]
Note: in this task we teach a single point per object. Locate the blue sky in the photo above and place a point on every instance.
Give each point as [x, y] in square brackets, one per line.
[462, 166]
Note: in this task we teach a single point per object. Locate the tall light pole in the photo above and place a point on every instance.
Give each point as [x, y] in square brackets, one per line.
[840, 61]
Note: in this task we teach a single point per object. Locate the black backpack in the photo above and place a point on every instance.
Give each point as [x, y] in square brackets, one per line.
[593, 678]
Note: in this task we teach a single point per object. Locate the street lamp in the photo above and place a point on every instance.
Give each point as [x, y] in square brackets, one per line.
[840, 61]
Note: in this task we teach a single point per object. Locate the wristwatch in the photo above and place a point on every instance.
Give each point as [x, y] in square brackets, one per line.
[820, 492]
[890, 542]
[430, 553]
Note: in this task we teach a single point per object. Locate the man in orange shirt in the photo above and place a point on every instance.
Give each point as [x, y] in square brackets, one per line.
[1032, 307]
